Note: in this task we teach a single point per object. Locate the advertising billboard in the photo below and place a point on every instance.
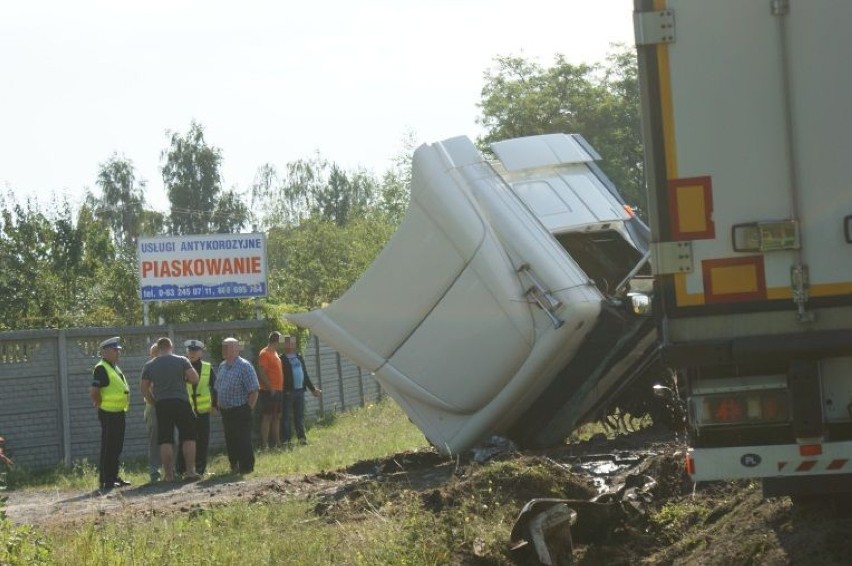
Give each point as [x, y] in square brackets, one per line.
[208, 266]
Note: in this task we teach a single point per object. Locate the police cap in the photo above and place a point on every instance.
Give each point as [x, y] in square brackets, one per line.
[113, 342]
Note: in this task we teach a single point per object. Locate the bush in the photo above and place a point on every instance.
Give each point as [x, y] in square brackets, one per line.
[18, 544]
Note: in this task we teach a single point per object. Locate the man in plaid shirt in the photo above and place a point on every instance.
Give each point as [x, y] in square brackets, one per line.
[236, 393]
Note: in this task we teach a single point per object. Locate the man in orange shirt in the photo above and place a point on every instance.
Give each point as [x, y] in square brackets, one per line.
[271, 378]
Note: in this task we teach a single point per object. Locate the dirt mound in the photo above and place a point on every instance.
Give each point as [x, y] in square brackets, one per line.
[511, 482]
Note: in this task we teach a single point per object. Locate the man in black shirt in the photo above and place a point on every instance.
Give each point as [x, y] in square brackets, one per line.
[110, 394]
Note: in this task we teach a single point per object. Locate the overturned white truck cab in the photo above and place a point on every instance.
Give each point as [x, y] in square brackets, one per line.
[506, 302]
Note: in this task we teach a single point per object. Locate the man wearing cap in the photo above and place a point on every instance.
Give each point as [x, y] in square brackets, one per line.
[236, 393]
[110, 394]
[164, 382]
[203, 401]
[271, 378]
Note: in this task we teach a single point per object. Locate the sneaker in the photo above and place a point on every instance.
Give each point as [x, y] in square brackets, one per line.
[122, 483]
[154, 477]
[191, 477]
[303, 441]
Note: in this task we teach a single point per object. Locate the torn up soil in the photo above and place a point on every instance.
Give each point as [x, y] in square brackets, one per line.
[664, 519]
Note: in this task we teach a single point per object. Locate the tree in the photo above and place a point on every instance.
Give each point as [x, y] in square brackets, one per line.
[231, 214]
[262, 191]
[601, 102]
[345, 196]
[23, 251]
[59, 271]
[315, 262]
[623, 148]
[121, 204]
[110, 275]
[316, 187]
[395, 186]
[193, 182]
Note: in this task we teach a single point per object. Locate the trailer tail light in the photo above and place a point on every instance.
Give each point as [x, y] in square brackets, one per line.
[766, 236]
[690, 465]
[810, 449]
[743, 407]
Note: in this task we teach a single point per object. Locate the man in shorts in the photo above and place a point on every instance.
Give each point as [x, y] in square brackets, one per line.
[271, 377]
[164, 380]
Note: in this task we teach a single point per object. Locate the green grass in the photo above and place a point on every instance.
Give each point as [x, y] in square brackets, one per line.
[378, 523]
[257, 532]
[466, 517]
[675, 517]
[335, 441]
[248, 534]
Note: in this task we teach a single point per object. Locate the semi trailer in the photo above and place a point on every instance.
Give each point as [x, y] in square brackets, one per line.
[746, 125]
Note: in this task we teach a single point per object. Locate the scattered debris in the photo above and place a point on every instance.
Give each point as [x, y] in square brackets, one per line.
[495, 445]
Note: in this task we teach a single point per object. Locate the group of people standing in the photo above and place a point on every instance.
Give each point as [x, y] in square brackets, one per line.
[284, 382]
[181, 392]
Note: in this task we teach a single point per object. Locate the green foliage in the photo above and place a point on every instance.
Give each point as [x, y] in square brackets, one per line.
[676, 516]
[60, 271]
[315, 262]
[122, 200]
[325, 227]
[194, 187]
[313, 188]
[18, 544]
[395, 187]
[231, 214]
[601, 102]
[22, 545]
[77, 476]
[176, 312]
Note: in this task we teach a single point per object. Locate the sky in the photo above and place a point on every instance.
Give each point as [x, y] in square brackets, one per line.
[270, 81]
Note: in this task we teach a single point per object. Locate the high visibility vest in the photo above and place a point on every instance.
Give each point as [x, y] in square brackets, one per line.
[201, 398]
[115, 397]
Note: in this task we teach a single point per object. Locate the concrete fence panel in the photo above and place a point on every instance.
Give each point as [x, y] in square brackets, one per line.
[47, 417]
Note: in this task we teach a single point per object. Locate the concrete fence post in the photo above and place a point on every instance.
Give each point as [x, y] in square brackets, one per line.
[340, 381]
[64, 395]
[318, 367]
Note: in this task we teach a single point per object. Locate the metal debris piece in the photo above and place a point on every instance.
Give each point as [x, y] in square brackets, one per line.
[552, 526]
[546, 523]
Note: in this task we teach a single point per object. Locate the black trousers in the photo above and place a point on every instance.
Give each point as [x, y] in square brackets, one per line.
[112, 442]
[237, 423]
[202, 442]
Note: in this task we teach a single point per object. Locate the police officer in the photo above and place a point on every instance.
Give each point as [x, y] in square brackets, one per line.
[202, 400]
[110, 394]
